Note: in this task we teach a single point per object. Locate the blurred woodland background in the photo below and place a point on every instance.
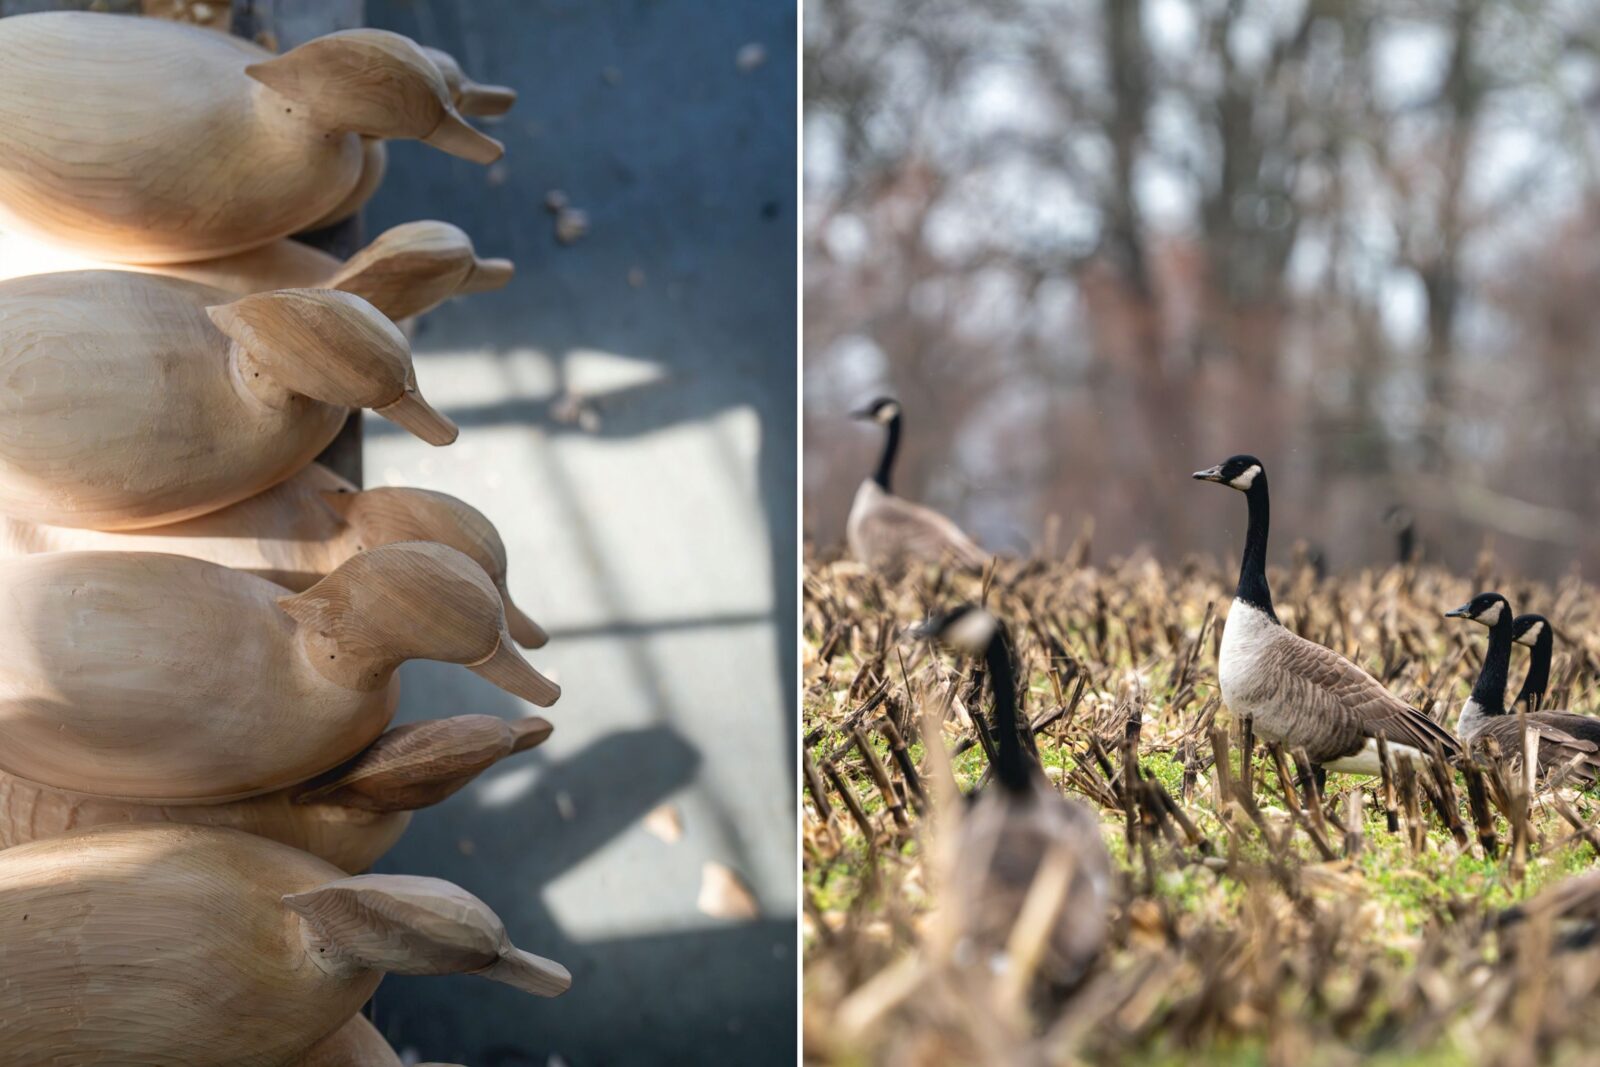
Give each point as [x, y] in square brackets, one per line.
[1094, 245]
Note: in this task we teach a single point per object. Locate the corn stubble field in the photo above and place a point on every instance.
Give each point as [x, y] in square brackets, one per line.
[1253, 921]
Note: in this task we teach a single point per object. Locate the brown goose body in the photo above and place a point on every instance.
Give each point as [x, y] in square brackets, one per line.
[1303, 695]
[890, 534]
[1001, 846]
[1562, 737]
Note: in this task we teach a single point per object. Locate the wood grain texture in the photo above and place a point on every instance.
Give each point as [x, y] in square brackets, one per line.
[470, 97]
[162, 679]
[408, 270]
[146, 141]
[181, 946]
[298, 531]
[130, 400]
[348, 817]
[355, 1044]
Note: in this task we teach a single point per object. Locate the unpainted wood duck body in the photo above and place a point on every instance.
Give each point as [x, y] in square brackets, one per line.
[296, 533]
[131, 400]
[161, 679]
[145, 141]
[406, 271]
[348, 817]
[202, 947]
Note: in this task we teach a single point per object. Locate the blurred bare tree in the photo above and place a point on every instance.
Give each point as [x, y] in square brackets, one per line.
[1095, 244]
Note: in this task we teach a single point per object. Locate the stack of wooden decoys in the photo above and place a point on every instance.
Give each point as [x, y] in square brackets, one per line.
[202, 624]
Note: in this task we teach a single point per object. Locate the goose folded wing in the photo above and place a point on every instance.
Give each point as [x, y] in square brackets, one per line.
[1557, 746]
[921, 533]
[1362, 700]
[1575, 729]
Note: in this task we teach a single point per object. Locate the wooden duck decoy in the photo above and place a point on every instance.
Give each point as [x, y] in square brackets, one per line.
[407, 271]
[162, 143]
[470, 97]
[298, 531]
[130, 400]
[166, 680]
[212, 948]
[355, 1044]
[349, 817]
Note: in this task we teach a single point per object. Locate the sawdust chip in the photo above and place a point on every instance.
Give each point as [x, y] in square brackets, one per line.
[723, 895]
[665, 823]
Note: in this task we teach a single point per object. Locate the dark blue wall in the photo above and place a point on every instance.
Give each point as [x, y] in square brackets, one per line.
[686, 166]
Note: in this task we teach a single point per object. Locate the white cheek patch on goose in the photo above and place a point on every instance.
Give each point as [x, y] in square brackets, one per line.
[971, 632]
[1492, 616]
[1532, 634]
[1245, 480]
[888, 412]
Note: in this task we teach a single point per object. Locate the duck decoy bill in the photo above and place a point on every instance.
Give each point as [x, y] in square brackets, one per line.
[417, 416]
[506, 668]
[457, 137]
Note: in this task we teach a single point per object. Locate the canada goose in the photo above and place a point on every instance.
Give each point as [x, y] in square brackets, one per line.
[1562, 737]
[1404, 524]
[1297, 692]
[1015, 825]
[1572, 906]
[1536, 632]
[888, 533]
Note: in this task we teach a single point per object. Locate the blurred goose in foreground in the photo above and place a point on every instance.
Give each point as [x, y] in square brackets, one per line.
[1297, 692]
[1562, 737]
[1572, 906]
[1536, 632]
[1014, 828]
[890, 534]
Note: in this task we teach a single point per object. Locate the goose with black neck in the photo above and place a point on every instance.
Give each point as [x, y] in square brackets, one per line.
[1295, 691]
[1561, 736]
[1538, 635]
[889, 533]
[1017, 825]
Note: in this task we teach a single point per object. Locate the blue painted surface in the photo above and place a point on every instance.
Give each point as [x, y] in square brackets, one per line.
[679, 678]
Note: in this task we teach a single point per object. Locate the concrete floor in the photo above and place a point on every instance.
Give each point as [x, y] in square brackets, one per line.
[627, 408]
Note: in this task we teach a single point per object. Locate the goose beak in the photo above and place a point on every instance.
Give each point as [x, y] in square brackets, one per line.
[506, 668]
[1463, 612]
[416, 415]
[1210, 474]
[861, 413]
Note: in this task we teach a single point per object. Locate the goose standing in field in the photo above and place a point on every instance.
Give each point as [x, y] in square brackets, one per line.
[1562, 737]
[1404, 524]
[1297, 692]
[1536, 632]
[890, 534]
[1014, 827]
